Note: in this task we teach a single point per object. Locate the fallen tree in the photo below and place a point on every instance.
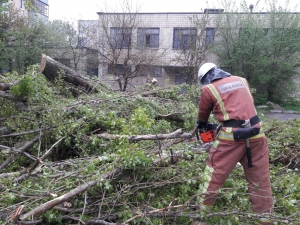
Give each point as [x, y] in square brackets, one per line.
[52, 69]
[122, 158]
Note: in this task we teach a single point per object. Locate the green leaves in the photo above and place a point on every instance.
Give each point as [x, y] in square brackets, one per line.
[147, 180]
[132, 158]
[262, 48]
[24, 88]
[139, 123]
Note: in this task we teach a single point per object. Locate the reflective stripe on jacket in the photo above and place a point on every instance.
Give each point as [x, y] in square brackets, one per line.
[228, 98]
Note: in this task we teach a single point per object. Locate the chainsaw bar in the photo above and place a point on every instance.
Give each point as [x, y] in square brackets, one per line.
[203, 147]
[200, 146]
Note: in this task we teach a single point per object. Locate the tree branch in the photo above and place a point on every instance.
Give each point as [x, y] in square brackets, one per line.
[48, 205]
[27, 146]
[176, 134]
[21, 133]
[37, 162]
[6, 95]
[7, 86]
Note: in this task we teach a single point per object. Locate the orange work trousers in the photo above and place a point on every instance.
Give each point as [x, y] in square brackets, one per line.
[222, 159]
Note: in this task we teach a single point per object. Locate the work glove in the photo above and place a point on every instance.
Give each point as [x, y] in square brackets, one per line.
[201, 126]
[212, 126]
[205, 126]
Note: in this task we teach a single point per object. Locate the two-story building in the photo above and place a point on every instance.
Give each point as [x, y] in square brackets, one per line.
[136, 47]
[143, 46]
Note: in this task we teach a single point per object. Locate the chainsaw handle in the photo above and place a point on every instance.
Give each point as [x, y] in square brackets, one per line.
[197, 133]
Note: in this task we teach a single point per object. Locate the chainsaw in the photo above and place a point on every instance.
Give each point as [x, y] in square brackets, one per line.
[207, 134]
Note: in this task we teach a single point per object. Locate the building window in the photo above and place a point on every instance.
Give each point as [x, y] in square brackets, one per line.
[21, 4]
[184, 38]
[118, 69]
[82, 42]
[120, 37]
[148, 37]
[41, 7]
[92, 71]
[145, 70]
[210, 35]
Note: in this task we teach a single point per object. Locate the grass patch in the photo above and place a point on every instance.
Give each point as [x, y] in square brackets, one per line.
[294, 106]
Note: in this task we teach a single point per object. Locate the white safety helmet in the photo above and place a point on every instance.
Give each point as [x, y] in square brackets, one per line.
[204, 69]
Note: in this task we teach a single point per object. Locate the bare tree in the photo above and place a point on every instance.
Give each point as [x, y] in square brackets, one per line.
[127, 47]
[193, 45]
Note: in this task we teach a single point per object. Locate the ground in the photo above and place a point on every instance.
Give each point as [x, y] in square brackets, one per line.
[283, 116]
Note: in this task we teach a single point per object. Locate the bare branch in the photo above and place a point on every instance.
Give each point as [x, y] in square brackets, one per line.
[4, 175]
[21, 133]
[98, 221]
[37, 162]
[48, 205]
[7, 86]
[176, 134]
[27, 146]
[6, 95]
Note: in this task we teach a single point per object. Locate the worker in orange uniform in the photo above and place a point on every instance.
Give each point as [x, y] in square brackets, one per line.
[240, 139]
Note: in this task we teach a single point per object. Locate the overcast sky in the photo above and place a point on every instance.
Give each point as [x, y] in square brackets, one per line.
[87, 9]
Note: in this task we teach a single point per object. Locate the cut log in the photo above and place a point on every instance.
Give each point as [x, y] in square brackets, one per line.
[52, 68]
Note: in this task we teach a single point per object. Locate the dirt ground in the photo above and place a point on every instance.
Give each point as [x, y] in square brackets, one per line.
[283, 116]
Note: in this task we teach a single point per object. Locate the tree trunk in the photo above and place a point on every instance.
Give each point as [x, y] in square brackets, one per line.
[51, 69]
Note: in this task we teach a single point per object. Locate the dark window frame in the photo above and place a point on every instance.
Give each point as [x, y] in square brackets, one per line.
[41, 7]
[145, 70]
[148, 37]
[118, 69]
[209, 35]
[82, 42]
[184, 38]
[121, 37]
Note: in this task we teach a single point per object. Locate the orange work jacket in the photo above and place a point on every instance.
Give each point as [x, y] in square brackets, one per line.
[228, 98]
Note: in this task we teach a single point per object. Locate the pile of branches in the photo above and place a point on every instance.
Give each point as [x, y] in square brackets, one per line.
[74, 151]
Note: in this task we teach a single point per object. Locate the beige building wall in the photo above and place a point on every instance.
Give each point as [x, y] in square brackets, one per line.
[166, 22]
[19, 5]
[41, 13]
